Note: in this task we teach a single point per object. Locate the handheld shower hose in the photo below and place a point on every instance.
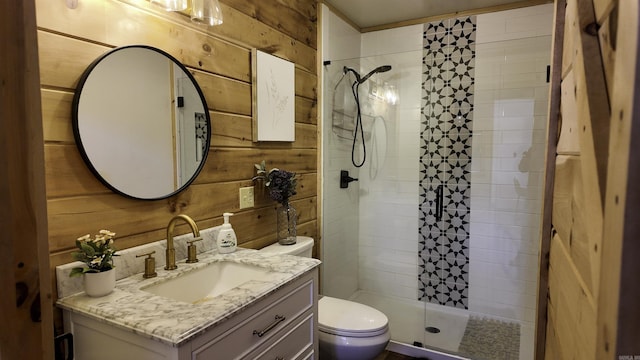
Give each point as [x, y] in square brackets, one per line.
[354, 89]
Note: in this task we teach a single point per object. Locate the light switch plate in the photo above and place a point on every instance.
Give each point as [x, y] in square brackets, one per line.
[246, 197]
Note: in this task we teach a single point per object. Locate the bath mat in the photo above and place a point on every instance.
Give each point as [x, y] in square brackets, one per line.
[489, 339]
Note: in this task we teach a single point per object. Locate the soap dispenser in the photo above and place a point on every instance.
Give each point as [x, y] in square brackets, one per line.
[226, 241]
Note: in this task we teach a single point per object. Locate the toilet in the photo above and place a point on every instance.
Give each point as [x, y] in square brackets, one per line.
[347, 330]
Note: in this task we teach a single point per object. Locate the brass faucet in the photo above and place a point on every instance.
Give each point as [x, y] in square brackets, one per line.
[170, 253]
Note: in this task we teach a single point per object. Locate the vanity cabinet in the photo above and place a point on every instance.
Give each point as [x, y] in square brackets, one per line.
[282, 325]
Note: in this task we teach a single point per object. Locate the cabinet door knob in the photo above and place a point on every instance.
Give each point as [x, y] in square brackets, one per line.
[278, 320]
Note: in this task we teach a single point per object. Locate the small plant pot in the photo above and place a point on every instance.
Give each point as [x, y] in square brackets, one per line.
[99, 284]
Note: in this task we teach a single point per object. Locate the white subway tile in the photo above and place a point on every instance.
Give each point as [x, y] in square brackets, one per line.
[523, 63]
[529, 26]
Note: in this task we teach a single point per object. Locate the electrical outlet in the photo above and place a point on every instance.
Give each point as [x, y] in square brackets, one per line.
[246, 197]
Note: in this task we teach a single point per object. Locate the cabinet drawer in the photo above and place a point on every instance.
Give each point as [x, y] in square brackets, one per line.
[293, 344]
[259, 328]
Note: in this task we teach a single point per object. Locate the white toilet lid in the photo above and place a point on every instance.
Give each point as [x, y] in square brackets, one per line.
[348, 318]
[302, 244]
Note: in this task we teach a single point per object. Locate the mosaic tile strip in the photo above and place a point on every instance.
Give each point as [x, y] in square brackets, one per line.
[445, 160]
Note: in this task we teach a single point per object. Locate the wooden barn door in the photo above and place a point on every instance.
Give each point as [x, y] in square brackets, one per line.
[26, 309]
[590, 258]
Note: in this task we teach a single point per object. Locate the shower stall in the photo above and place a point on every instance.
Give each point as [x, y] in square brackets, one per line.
[441, 229]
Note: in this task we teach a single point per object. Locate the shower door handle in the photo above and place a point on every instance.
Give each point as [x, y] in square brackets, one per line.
[439, 202]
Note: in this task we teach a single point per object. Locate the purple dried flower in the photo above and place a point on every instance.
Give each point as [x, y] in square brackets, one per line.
[281, 183]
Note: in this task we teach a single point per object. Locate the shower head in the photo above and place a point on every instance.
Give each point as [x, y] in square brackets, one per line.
[379, 69]
[359, 79]
[346, 69]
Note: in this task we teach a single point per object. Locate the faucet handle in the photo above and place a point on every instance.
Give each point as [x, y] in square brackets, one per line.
[149, 265]
[192, 257]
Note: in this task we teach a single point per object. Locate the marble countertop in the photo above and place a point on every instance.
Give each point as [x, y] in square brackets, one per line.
[173, 322]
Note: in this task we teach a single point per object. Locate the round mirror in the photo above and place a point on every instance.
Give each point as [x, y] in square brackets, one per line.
[141, 122]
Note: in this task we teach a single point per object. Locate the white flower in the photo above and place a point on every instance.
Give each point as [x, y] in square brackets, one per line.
[84, 238]
[107, 233]
[96, 252]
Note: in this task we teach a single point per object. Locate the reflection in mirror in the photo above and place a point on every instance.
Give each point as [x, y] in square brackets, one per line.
[141, 122]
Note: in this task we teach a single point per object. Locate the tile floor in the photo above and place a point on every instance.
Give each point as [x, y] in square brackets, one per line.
[407, 323]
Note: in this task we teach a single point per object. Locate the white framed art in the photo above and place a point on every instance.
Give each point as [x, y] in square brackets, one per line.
[273, 94]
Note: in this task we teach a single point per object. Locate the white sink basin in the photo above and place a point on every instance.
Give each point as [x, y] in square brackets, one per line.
[203, 284]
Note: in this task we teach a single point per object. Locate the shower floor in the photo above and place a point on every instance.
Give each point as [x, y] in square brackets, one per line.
[407, 325]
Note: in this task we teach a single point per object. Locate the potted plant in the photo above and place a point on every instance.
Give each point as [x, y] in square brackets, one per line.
[281, 185]
[97, 253]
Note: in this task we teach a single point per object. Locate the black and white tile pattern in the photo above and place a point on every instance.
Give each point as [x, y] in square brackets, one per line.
[201, 131]
[445, 160]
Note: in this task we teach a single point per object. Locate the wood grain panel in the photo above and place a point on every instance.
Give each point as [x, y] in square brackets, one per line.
[306, 84]
[116, 24]
[64, 59]
[552, 347]
[229, 130]
[58, 70]
[265, 38]
[243, 30]
[227, 164]
[593, 106]
[575, 317]
[307, 187]
[76, 216]
[569, 141]
[261, 222]
[281, 16]
[56, 108]
[245, 223]
[566, 174]
[306, 110]
[602, 9]
[26, 300]
[306, 136]
[569, 38]
[574, 257]
[569, 217]
[607, 34]
[546, 228]
[235, 97]
[223, 94]
[67, 174]
[593, 120]
[607, 170]
[185, 40]
[87, 21]
[618, 311]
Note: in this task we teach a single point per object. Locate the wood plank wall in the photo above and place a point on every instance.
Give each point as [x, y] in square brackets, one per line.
[219, 58]
[594, 79]
[25, 301]
[580, 183]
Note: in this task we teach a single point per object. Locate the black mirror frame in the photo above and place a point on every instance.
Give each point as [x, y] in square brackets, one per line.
[76, 130]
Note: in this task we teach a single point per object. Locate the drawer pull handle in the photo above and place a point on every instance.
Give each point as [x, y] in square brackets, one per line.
[279, 319]
[279, 358]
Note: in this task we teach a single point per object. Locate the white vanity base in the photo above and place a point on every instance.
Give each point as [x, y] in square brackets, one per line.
[295, 337]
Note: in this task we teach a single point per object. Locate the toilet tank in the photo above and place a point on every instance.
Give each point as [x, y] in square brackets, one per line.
[303, 247]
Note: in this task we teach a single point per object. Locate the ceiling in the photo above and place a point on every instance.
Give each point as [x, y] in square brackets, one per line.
[372, 13]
